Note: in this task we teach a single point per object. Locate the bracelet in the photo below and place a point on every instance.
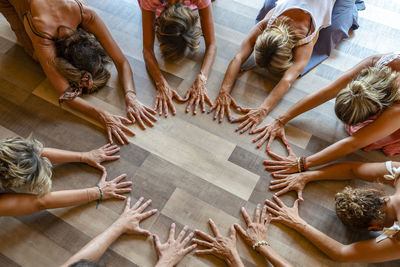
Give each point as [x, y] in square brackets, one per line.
[130, 91]
[280, 121]
[304, 163]
[299, 164]
[260, 243]
[101, 196]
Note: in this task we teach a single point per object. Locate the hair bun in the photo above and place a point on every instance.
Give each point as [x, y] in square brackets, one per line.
[357, 88]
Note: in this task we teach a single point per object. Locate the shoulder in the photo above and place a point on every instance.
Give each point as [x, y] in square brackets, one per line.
[150, 5]
[201, 3]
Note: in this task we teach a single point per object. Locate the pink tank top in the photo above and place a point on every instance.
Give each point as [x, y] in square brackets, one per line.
[157, 6]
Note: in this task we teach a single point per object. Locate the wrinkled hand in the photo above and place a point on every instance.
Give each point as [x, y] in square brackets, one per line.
[114, 125]
[293, 182]
[172, 252]
[271, 130]
[164, 99]
[257, 230]
[220, 246]
[253, 118]
[222, 104]
[136, 111]
[197, 94]
[283, 214]
[131, 217]
[114, 188]
[282, 165]
[95, 157]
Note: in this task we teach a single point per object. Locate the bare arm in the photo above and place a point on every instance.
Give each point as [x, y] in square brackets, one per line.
[364, 251]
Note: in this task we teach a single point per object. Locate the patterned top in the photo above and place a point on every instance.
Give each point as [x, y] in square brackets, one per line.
[386, 59]
[157, 6]
[320, 12]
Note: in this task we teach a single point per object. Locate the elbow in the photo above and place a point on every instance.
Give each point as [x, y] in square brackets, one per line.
[41, 203]
[340, 254]
[147, 53]
[212, 47]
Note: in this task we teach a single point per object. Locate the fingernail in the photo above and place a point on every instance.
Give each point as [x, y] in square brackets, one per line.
[236, 129]
[215, 117]
[258, 146]
[288, 145]
[265, 162]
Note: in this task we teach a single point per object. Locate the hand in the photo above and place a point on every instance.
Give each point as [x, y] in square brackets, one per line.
[293, 182]
[114, 188]
[258, 229]
[164, 99]
[283, 214]
[220, 246]
[95, 157]
[172, 252]
[253, 118]
[198, 94]
[138, 112]
[222, 104]
[114, 125]
[271, 130]
[282, 165]
[129, 220]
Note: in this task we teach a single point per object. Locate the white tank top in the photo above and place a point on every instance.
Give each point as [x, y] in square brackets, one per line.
[386, 59]
[319, 10]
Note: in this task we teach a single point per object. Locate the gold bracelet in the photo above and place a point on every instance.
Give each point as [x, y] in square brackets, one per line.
[299, 164]
[260, 243]
[130, 91]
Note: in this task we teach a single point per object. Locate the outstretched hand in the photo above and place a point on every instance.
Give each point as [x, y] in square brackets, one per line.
[164, 99]
[253, 118]
[115, 127]
[274, 129]
[137, 112]
[222, 104]
[171, 252]
[95, 157]
[282, 165]
[114, 188]
[289, 182]
[197, 94]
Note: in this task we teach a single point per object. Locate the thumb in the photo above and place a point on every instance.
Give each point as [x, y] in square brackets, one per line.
[104, 175]
[300, 194]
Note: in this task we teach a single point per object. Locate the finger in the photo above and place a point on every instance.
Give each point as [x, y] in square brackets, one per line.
[171, 106]
[159, 107]
[144, 206]
[235, 104]
[188, 93]
[253, 127]
[296, 204]
[263, 140]
[109, 135]
[165, 108]
[204, 235]
[119, 178]
[114, 195]
[152, 111]
[280, 176]
[172, 232]
[182, 233]
[110, 158]
[208, 100]
[202, 104]
[268, 219]
[196, 104]
[232, 232]
[150, 115]
[124, 184]
[217, 112]
[116, 135]
[250, 124]
[189, 249]
[257, 214]
[279, 201]
[273, 211]
[246, 216]
[103, 176]
[221, 115]
[189, 105]
[212, 108]
[137, 204]
[100, 167]
[229, 114]
[112, 150]
[276, 156]
[131, 117]
[143, 115]
[139, 120]
[187, 239]
[147, 214]
[259, 130]
[126, 129]
[263, 214]
[125, 120]
[127, 204]
[271, 139]
[272, 205]
[214, 228]
[156, 104]
[280, 185]
[204, 251]
[122, 190]
[143, 232]
[123, 136]
[245, 110]
[263, 134]
[300, 194]
[202, 243]
[283, 191]
[156, 240]
[241, 118]
[242, 125]
[241, 231]
[178, 97]
[106, 146]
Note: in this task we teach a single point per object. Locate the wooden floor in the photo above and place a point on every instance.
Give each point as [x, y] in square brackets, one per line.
[190, 166]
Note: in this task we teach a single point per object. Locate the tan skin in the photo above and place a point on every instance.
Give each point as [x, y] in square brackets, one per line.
[48, 15]
[301, 56]
[197, 94]
[363, 251]
[386, 124]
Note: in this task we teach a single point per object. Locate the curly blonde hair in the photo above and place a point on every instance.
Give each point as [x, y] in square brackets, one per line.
[273, 49]
[21, 164]
[372, 91]
[358, 208]
[177, 30]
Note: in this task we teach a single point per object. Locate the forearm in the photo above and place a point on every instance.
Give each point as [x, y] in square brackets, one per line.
[86, 108]
[275, 95]
[97, 246]
[58, 156]
[231, 74]
[152, 66]
[329, 246]
[211, 51]
[126, 76]
[274, 258]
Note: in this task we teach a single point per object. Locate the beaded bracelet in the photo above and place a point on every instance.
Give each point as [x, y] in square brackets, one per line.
[130, 91]
[101, 196]
[260, 243]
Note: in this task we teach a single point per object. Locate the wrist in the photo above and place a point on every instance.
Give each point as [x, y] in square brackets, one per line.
[233, 259]
[130, 92]
[283, 119]
[118, 227]
[164, 262]
[299, 225]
